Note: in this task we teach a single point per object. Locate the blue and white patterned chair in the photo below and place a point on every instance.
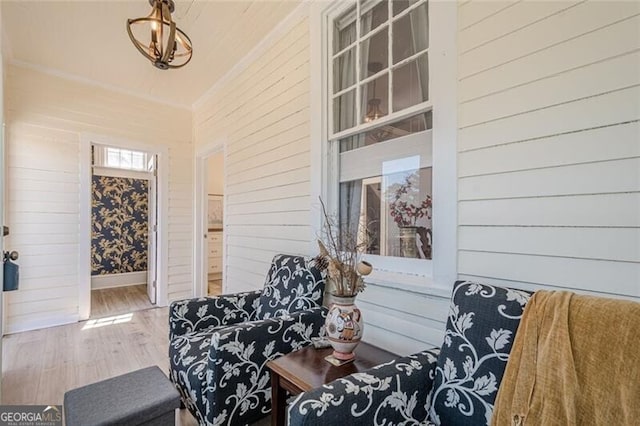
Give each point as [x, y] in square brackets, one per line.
[454, 385]
[219, 346]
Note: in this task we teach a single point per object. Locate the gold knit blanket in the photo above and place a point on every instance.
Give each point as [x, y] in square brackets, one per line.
[575, 361]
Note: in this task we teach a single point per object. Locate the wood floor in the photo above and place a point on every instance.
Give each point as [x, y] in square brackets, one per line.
[40, 366]
[214, 287]
[119, 300]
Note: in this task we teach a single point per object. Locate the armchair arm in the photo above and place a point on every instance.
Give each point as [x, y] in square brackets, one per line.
[238, 358]
[190, 315]
[392, 393]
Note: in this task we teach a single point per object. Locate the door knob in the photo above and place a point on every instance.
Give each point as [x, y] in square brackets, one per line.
[11, 255]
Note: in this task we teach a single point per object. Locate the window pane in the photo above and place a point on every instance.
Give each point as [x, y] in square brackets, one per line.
[375, 99]
[344, 111]
[138, 161]
[400, 5]
[344, 32]
[344, 70]
[125, 159]
[415, 124]
[411, 83]
[374, 53]
[374, 16]
[411, 33]
[113, 157]
[360, 204]
[392, 212]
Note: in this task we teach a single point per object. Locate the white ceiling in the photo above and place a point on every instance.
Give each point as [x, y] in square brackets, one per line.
[88, 39]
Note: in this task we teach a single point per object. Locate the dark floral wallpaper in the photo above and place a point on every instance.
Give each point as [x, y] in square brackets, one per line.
[119, 221]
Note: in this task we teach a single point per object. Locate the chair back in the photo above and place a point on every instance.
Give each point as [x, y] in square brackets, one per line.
[293, 284]
[481, 326]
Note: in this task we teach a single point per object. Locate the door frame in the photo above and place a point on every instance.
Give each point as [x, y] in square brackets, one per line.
[200, 218]
[162, 195]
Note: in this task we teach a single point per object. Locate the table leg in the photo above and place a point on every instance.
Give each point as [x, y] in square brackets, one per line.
[278, 401]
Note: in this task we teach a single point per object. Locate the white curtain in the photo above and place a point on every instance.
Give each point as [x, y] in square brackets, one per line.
[351, 192]
[420, 32]
[346, 107]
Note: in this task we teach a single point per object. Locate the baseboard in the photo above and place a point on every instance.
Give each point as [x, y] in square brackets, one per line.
[39, 323]
[99, 282]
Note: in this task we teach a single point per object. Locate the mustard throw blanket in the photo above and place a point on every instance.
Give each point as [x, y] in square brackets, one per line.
[575, 361]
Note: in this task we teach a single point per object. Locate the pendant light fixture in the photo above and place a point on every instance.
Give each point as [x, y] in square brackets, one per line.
[373, 104]
[373, 108]
[163, 43]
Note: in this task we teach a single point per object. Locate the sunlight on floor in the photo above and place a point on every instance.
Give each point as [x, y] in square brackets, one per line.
[101, 322]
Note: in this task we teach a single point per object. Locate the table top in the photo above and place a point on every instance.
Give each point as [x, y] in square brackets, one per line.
[307, 369]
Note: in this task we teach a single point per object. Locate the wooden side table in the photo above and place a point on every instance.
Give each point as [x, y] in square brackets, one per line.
[307, 369]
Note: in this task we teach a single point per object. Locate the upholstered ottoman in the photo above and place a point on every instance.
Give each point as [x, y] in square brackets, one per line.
[142, 397]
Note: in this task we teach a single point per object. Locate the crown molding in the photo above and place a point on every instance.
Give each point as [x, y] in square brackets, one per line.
[90, 82]
[301, 11]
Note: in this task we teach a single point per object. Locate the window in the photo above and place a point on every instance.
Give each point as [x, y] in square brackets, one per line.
[380, 121]
[379, 60]
[118, 158]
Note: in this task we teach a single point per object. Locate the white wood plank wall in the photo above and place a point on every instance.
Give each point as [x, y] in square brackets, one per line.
[42, 211]
[262, 114]
[46, 115]
[549, 145]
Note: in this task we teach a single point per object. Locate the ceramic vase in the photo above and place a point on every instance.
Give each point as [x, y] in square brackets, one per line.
[344, 327]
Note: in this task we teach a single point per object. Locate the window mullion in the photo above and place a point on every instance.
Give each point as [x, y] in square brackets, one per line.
[390, 58]
[329, 67]
[335, 56]
[407, 11]
[342, 92]
[358, 43]
[409, 59]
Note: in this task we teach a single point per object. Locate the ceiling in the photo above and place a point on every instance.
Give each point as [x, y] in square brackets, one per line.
[88, 39]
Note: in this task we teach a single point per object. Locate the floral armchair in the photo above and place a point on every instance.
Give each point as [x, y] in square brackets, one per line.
[219, 346]
[454, 385]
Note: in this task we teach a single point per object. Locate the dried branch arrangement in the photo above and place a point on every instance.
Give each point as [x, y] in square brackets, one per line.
[342, 249]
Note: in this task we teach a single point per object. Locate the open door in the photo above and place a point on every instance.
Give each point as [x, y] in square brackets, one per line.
[152, 269]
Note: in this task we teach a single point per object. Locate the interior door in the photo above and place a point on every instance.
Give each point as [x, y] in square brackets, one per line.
[152, 270]
[5, 230]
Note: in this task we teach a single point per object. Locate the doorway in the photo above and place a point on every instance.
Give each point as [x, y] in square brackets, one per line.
[123, 227]
[214, 227]
[123, 230]
[210, 215]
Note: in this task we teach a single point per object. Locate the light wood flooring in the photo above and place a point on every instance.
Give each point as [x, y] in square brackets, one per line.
[119, 300]
[214, 287]
[39, 366]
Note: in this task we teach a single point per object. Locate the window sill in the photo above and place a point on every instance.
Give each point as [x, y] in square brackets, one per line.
[420, 284]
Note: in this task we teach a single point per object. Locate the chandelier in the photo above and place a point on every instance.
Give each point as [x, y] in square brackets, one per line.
[159, 39]
[373, 109]
[373, 104]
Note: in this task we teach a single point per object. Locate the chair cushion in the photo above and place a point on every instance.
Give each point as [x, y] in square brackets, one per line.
[294, 283]
[481, 326]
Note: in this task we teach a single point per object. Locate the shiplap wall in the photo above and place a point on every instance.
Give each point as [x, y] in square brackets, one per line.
[46, 115]
[262, 114]
[548, 158]
[549, 145]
